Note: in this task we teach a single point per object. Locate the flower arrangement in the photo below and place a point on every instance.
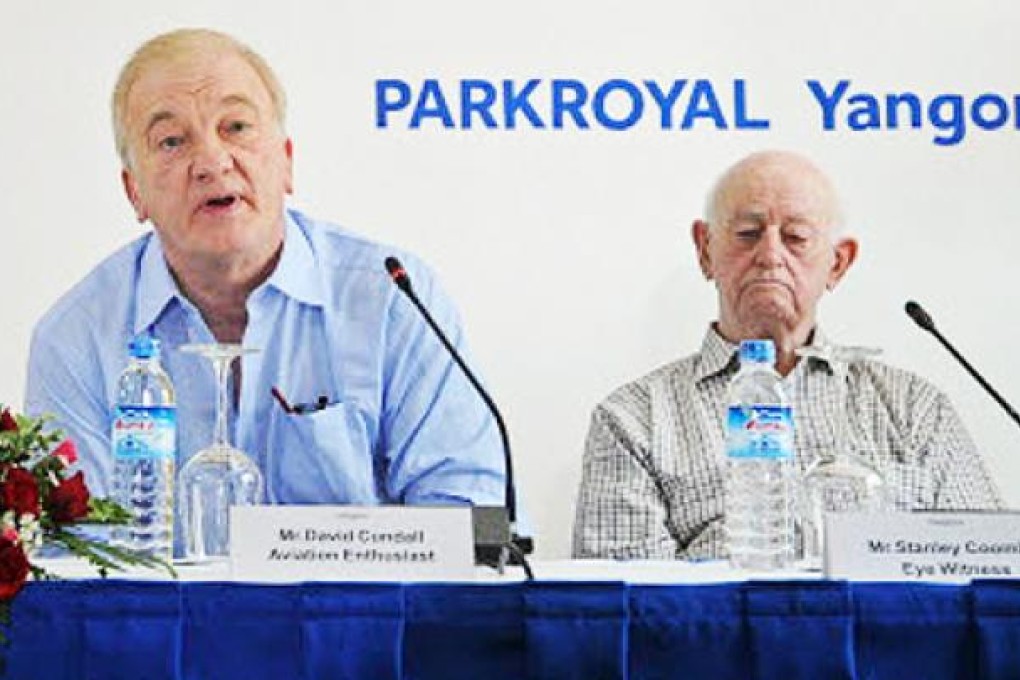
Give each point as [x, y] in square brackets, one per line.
[41, 503]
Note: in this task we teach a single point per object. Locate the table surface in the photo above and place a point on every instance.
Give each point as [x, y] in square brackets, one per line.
[645, 571]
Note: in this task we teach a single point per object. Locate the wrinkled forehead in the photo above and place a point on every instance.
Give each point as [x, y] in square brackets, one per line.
[216, 76]
[780, 189]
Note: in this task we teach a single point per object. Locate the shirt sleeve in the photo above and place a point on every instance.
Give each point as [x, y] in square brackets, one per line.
[620, 509]
[64, 382]
[962, 481]
[439, 441]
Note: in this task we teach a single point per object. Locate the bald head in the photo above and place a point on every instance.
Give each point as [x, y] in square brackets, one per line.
[773, 247]
[769, 174]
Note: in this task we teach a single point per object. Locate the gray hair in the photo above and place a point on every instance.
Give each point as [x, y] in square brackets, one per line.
[178, 45]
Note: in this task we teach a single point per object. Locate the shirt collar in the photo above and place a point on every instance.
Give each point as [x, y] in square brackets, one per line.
[156, 286]
[827, 356]
[718, 355]
[295, 276]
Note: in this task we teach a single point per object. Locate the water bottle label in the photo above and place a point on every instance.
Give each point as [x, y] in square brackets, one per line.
[762, 431]
[144, 432]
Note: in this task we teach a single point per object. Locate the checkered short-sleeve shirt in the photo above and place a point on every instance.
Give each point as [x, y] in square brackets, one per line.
[652, 482]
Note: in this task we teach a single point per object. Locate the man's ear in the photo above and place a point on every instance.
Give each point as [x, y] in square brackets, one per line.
[700, 234]
[133, 195]
[288, 148]
[845, 255]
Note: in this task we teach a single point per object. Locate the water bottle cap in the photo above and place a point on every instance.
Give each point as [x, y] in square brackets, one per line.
[758, 352]
[143, 346]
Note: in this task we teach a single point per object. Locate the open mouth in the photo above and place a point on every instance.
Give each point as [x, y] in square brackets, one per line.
[221, 201]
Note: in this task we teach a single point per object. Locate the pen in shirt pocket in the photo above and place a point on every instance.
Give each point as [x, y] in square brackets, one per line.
[299, 409]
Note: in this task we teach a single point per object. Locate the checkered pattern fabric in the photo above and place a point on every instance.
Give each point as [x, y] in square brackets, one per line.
[653, 477]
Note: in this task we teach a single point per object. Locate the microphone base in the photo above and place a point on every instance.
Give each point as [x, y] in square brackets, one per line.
[491, 526]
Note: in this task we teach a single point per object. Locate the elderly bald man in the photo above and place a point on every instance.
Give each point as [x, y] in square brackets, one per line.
[773, 243]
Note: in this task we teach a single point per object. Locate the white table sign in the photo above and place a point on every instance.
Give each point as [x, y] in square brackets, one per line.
[953, 547]
[287, 543]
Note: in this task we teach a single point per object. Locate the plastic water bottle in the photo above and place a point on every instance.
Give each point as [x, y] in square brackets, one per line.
[144, 442]
[759, 451]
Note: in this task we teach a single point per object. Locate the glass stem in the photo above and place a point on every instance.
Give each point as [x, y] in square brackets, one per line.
[221, 365]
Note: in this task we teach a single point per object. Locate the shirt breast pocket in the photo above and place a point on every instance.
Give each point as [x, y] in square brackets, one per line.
[323, 456]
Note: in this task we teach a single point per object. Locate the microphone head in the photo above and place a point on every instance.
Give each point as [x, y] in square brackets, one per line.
[398, 273]
[920, 317]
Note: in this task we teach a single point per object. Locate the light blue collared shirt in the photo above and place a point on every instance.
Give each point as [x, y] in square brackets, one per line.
[403, 425]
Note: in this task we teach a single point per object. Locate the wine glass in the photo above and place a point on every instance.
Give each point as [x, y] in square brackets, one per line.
[220, 475]
[840, 480]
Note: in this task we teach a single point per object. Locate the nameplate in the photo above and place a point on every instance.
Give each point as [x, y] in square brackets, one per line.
[287, 543]
[953, 547]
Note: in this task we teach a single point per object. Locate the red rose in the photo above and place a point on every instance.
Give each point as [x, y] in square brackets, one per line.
[7, 422]
[70, 501]
[13, 569]
[20, 493]
[66, 452]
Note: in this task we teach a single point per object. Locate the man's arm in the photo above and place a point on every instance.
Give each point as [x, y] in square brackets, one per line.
[67, 384]
[620, 510]
[961, 477]
[440, 442]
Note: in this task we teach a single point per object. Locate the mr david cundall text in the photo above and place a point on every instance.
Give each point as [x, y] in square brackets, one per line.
[354, 546]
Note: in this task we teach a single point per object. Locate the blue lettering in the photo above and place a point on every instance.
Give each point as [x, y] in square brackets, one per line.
[561, 104]
[867, 115]
[998, 103]
[514, 102]
[437, 108]
[954, 123]
[469, 105]
[384, 105]
[741, 120]
[709, 109]
[665, 101]
[637, 104]
[828, 102]
[892, 103]
[620, 103]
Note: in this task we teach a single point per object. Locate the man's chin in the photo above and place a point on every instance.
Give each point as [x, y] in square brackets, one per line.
[234, 238]
[768, 319]
[227, 248]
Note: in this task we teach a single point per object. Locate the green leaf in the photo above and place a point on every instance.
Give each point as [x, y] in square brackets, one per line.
[106, 511]
[106, 557]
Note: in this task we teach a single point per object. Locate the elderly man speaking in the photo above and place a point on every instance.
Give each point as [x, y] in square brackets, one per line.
[653, 479]
[199, 124]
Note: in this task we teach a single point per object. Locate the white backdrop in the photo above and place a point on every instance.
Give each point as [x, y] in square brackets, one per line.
[567, 250]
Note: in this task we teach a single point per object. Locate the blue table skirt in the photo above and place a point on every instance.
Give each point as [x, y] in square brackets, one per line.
[814, 630]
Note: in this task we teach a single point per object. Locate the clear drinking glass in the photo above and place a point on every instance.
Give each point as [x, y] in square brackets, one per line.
[219, 476]
[841, 479]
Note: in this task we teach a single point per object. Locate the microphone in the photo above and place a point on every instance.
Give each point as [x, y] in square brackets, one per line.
[495, 529]
[924, 320]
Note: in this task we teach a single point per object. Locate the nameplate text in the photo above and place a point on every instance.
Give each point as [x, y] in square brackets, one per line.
[350, 543]
[951, 547]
